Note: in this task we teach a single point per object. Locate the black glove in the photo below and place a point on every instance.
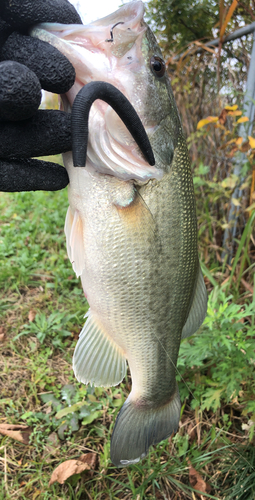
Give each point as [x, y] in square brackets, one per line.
[27, 65]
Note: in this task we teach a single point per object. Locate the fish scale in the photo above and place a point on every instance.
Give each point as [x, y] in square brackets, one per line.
[131, 231]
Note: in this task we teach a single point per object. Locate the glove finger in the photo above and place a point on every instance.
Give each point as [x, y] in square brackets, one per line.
[24, 13]
[55, 72]
[20, 91]
[5, 31]
[48, 132]
[31, 175]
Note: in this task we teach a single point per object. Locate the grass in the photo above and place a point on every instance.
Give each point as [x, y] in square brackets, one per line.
[42, 307]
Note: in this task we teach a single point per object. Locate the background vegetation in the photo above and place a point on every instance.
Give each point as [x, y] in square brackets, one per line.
[46, 417]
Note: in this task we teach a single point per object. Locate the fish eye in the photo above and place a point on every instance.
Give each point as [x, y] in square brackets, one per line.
[158, 66]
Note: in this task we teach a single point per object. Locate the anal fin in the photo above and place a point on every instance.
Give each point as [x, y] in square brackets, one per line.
[97, 358]
[198, 308]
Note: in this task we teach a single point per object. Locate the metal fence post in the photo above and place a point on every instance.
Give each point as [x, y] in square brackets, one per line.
[244, 131]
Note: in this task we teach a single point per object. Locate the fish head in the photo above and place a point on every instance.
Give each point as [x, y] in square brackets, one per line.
[121, 49]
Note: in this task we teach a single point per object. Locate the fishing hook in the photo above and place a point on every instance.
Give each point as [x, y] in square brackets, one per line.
[80, 116]
[111, 32]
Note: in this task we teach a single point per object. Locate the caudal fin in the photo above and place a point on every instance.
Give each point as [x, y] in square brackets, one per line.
[137, 428]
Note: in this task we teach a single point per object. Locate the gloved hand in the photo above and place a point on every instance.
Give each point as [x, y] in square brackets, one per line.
[27, 65]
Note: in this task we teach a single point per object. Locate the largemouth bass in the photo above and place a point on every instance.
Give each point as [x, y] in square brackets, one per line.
[131, 229]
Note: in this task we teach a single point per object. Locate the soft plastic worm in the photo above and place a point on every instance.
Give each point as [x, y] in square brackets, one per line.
[80, 115]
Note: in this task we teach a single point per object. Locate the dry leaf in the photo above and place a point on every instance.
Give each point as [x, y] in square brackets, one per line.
[71, 467]
[223, 117]
[245, 147]
[90, 459]
[20, 433]
[228, 17]
[196, 481]
[31, 315]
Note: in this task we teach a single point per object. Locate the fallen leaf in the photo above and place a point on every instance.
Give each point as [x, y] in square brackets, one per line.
[20, 433]
[71, 467]
[196, 481]
[90, 459]
[31, 315]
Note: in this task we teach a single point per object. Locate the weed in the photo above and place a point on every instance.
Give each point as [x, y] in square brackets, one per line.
[219, 360]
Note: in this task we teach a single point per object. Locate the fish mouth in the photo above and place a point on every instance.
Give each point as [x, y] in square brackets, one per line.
[108, 50]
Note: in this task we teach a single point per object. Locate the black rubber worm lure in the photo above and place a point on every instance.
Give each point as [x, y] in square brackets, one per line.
[80, 115]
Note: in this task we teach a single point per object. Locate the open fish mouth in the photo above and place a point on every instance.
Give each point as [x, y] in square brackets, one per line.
[97, 49]
[108, 50]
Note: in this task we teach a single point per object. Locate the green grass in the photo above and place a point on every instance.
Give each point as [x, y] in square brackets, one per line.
[42, 307]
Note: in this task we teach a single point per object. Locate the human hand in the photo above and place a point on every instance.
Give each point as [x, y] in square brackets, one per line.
[27, 65]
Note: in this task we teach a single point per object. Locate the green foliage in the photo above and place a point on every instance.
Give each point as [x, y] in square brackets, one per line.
[219, 362]
[53, 326]
[240, 476]
[75, 406]
[182, 21]
[179, 22]
[32, 240]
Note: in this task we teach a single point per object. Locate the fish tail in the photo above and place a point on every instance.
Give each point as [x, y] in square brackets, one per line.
[137, 427]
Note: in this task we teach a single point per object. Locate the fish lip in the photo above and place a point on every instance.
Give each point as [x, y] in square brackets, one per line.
[136, 7]
[83, 48]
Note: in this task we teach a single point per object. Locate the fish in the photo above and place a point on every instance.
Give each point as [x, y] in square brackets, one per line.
[131, 229]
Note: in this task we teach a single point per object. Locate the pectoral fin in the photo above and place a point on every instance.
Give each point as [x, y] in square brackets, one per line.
[97, 358]
[198, 309]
